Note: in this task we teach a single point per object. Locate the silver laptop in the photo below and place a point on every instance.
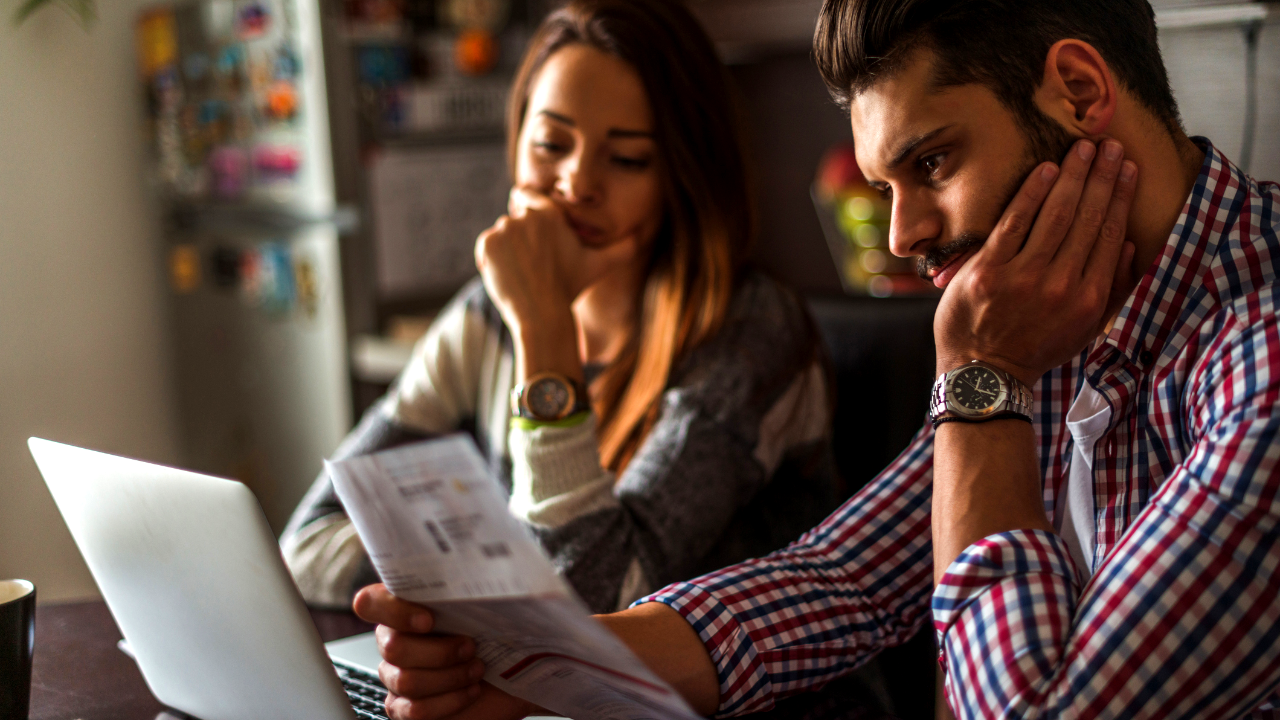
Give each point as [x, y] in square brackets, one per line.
[194, 577]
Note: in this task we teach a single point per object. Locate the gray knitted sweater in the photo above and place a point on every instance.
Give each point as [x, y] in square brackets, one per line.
[738, 463]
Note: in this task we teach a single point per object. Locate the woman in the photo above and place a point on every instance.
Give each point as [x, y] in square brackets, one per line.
[671, 407]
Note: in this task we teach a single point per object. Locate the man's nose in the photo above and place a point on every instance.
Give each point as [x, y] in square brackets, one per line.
[913, 226]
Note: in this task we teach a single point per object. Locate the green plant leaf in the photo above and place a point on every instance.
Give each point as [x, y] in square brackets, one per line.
[85, 11]
[28, 7]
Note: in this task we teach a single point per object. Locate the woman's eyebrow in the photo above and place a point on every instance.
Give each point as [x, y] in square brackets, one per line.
[613, 133]
[558, 117]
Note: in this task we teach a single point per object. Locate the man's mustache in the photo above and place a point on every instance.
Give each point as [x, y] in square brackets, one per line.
[939, 255]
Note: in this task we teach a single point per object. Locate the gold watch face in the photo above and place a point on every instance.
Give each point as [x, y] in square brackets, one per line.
[976, 390]
[548, 398]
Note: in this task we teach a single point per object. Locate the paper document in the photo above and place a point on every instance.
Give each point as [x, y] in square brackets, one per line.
[436, 526]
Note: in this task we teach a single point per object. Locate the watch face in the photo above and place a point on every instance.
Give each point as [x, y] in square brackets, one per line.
[548, 398]
[976, 390]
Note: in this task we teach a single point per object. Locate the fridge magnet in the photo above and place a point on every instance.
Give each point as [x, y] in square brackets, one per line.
[383, 12]
[157, 39]
[275, 288]
[475, 52]
[282, 101]
[229, 62]
[483, 14]
[229, 168]
[382, 66]
[287, 65]
[184, 269]
[253, 21]
[276, 162]
[305, 286]
[251, 279]
[225, 267]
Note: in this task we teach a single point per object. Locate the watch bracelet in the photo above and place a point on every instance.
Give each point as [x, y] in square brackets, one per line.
[1021, 398]
[1002, 415]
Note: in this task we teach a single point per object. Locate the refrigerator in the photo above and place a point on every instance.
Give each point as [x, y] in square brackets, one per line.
[238, 133]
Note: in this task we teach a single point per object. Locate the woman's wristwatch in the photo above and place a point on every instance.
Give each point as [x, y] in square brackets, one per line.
[547, 397]
[977, 392]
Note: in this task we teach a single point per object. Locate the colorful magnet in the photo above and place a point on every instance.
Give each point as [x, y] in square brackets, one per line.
[253, 20]
[157, 37]
[381, 66]
[287, 65]
[282, 100]
[475, 52]
[383, 12]
[229, 168]
[274, 286]
[276, 162]
[261, 68]
[488, 15]
[230, 60]
[306, 287]
[225, 267]
[184, 268]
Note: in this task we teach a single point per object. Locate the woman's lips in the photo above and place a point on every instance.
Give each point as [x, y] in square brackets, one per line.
[942, 276]
[587, 233]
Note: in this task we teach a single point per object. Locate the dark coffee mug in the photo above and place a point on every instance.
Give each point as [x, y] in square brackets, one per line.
[17, 643]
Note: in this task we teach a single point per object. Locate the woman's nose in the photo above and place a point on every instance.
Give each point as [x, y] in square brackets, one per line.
[578, 182]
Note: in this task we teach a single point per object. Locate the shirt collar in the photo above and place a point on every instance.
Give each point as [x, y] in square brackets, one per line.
[1176, 281]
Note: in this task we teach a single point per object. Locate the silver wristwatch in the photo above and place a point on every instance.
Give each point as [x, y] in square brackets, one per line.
[547, 397]
[976, 392]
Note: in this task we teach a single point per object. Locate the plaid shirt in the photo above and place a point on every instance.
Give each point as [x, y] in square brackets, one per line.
[1180, 617]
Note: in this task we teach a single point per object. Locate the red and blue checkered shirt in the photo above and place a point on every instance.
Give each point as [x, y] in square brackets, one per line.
[1181, 615]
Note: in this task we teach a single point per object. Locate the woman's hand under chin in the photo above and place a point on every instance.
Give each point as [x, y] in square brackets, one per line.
[534, 265]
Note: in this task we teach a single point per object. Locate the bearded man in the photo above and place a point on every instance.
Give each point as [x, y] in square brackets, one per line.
[1091, 519]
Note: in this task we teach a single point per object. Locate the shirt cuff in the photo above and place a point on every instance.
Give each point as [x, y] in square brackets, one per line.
[993, 559]
[744, 684]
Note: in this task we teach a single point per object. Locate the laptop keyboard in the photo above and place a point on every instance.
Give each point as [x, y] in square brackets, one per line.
[365, 690]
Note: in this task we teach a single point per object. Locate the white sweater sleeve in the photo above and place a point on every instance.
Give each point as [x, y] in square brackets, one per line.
[556, 474]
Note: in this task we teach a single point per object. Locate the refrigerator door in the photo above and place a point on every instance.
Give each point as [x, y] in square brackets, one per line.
[240, 139]
[236, 104]
[261, 359]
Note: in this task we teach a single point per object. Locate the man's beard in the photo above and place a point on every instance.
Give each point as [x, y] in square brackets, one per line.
[1047, 141]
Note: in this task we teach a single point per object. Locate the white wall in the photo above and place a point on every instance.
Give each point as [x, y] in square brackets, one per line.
[83, 354]
[1207, 72]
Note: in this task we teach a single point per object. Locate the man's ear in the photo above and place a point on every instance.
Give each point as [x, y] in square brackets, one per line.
[1077, 89]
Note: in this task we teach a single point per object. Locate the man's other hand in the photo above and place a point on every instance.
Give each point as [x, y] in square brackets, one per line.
[1047, 279]
[428, 676]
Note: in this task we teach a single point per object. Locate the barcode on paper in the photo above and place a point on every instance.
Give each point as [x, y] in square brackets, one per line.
[495, 550]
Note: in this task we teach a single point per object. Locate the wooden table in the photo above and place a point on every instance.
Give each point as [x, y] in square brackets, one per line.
[80, 674]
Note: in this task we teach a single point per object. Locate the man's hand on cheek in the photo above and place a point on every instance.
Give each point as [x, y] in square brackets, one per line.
[1037, 291]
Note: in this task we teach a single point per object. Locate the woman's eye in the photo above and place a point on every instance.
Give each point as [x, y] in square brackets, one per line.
[631, 163]
[549, 147]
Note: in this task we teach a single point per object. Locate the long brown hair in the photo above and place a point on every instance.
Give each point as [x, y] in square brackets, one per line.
[700, 250]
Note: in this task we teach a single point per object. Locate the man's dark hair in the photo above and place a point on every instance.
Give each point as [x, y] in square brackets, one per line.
[1000, 44]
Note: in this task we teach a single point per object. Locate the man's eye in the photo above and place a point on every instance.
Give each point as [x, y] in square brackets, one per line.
[549, 147]
[932, 163]
[884, 191]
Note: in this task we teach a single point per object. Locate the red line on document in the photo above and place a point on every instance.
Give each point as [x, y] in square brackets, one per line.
[531, 659]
